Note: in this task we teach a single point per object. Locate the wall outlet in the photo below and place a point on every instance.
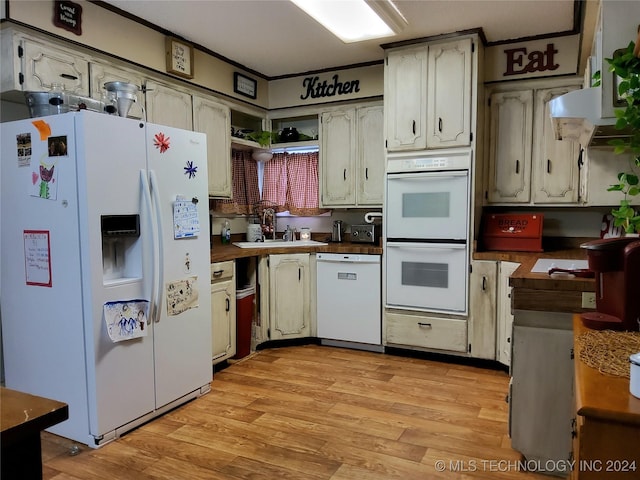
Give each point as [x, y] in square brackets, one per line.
[588, 300]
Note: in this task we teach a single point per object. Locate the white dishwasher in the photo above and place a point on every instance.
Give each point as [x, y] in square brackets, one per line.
[349, 304]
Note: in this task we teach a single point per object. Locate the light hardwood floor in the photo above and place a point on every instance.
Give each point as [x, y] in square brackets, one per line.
[316, 412]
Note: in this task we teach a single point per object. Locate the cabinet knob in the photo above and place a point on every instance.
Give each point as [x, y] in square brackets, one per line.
[228, 307]
[366, 174]
[517, 166]
[440, 124]
[344, 174]
[414, 127]
[548, 165]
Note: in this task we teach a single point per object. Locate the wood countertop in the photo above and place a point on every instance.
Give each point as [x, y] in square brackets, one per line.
[602, 396]
[539, 291]
[221, 253]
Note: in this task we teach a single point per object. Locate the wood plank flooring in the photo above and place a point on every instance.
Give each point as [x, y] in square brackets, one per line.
[316, 412]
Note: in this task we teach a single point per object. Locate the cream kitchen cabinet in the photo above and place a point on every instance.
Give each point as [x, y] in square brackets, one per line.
[504, 315]
[287, 304]
[38, 64]
[449, 78]
[427, 94]
[405, 97]
[527, 165]
[482, 309]
[167, 105]
[223, 311]
[102, 73]
[511, 133]
[214, 119]
[352, 157]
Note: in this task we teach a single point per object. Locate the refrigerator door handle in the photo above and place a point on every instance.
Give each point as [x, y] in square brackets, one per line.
[146, 192]
[160, 251]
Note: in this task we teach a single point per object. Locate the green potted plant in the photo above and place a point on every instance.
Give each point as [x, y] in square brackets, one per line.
[264, 137]
[626, 65]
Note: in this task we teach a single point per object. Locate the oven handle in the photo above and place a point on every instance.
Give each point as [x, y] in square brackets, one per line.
[421, 175]
[424, 246]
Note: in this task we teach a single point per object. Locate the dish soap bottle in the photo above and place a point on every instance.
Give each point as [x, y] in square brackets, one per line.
[225, 234]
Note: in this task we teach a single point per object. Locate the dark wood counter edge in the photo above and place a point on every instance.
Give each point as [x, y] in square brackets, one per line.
[43, 413]
[601, 396]
[221, 253]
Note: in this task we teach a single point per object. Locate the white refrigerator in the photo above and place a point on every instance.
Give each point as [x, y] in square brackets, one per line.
[105, 264]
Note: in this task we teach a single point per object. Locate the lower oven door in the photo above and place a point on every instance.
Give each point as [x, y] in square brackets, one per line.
[427, 276]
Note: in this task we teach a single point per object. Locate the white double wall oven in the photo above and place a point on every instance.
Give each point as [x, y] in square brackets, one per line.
[428, 201]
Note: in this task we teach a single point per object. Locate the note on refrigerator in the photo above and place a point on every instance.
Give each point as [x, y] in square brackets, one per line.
[126, 319]
[185, 219]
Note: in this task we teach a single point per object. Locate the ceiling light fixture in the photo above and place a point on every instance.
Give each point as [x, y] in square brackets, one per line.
[355, 20]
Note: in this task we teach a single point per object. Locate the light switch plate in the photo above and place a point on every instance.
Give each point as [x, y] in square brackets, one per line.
[588, 300]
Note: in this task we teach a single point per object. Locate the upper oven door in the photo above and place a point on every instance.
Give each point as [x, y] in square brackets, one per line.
[428, 205]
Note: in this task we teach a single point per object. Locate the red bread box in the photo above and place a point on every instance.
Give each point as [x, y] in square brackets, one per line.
[511, 232]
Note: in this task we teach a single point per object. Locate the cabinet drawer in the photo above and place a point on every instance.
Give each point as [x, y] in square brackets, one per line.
[221, 271]
[427, 332]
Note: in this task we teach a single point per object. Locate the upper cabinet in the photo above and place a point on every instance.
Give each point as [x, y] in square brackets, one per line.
[168, 106]
[428, 90]
[214, 120]
[527, 165]
[103, 72]
[449, 94]
[405, 96]
[37, 65]
[352, 157]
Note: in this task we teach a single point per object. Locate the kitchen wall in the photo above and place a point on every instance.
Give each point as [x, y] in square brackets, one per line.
[124, 38]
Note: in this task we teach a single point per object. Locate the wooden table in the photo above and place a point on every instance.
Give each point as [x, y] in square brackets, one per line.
[22, 418]
[607, 444]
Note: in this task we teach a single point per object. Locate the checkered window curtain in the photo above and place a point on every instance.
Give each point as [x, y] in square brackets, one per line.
[244, 175]
[290, 180]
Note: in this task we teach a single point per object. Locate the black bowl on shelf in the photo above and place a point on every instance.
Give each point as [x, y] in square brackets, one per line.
[289, 134]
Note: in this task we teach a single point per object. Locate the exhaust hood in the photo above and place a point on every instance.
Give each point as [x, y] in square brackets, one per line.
[576, 116]
[588, 115]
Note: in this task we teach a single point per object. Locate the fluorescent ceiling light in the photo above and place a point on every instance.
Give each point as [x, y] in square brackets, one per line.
[355, 20]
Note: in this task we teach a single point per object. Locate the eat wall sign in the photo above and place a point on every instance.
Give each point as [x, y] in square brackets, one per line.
[532, 59]
[68, 15]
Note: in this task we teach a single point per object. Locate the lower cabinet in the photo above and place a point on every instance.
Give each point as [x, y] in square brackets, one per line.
[482, 309]
[223, 310]
[287, 303]
[504, 315]
[541, 397]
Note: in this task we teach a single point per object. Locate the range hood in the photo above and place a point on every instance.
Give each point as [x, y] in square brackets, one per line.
[588, 115]
[576, 116]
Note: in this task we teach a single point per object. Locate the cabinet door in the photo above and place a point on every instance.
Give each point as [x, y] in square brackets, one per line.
[223, 320]
[405, 97]
[449, 94]
[555, 162]
[338, 154]
[289, 300]
[504, 315]
[168, 106]
[214, 119]
[102, 73]
[47, 64]
[370, 155]
[510, 147]
[482, 309]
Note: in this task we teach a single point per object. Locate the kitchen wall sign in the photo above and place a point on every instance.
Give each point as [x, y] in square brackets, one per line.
[532, 59]
[179, 57]
[314, 88]
[68, 15]
[244, 85]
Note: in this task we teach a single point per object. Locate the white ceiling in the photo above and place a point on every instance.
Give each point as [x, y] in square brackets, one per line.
[275, 38]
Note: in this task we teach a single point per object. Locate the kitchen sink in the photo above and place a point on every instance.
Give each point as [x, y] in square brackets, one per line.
[279, 244]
